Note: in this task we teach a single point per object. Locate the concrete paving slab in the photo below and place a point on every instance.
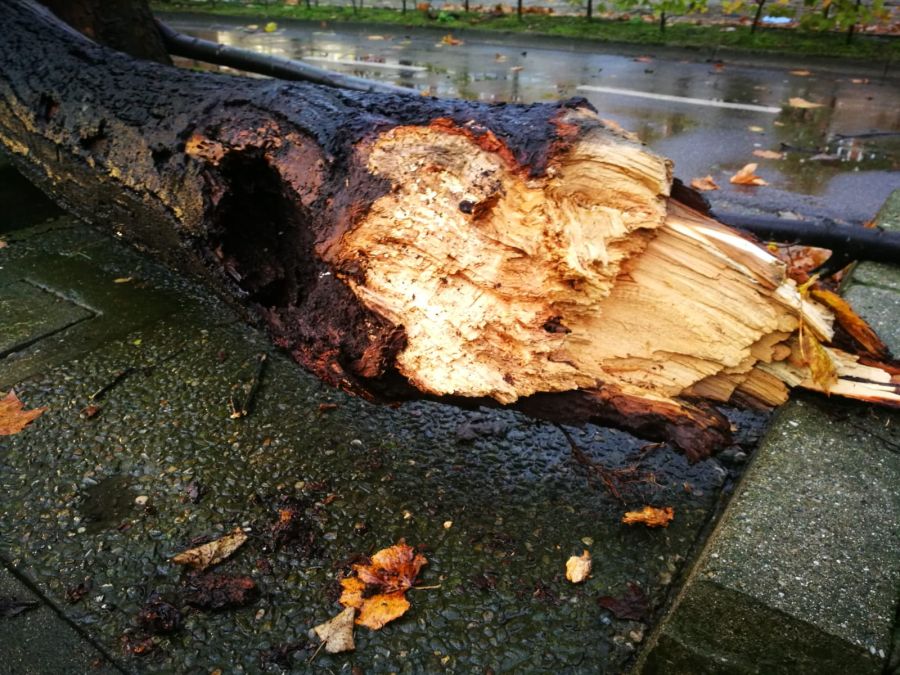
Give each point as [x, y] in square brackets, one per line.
[39, 642]
[802, 573]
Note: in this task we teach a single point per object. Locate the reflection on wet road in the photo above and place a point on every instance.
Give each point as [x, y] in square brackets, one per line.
[840, 159]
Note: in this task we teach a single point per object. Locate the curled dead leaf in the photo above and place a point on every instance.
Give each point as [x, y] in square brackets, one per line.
[379, 587]
[213, 552]
[746, 176]
[851, 322]
[802, 103]
[448, 39]
[768, 154]
[578, 567]
[650, 516]
[800, 260]
[822, 369]
[337, 634]
[13, 418]
[704, 184]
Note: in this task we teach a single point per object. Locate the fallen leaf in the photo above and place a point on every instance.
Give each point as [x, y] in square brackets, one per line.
[704, 184]
[379, 587]
[822, 369]
[801, 73]
[91, 411]
[337, 635]
[755, 129]
[376, 37]
[213, 552]
[448, 39]
[864, 80]
[800, 260]
[632, 606]
[270, 27]
[797, 102]
[123, 280]
[325, 407]
[746, 176]
[768, 154]
[3, 244]
[12, 417]
[851, 322]
[578, 567]
[138, 645]
[499, 58]
[158, 617]
[219, 591]
[644, 59]
[10, 606]
[516, 69]
[650, 516]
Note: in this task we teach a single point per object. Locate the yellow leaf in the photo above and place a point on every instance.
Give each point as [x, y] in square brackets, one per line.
[851, 322]
[704, 184]
[768, 154]
[212, 552]
[376, 37]
[379, 610]
[578, 567]
[12, 417]
[337, 635]
[822, 369]
[797, 102]
[756, 129]
[270, 27]
[123, 280]
[746, 176]
[650, 516]
[448, 39]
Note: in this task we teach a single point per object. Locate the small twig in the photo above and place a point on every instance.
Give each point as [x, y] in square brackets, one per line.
[615, 481]
[242, 399]
[424, 588]
[121, 375]
[316, 653]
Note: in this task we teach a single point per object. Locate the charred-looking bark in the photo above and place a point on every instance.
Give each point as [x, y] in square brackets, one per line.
[126, 25]
[400, 246]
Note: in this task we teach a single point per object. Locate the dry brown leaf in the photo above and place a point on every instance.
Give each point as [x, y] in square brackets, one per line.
[797, 102]
[379, 587]
[578, 567]
[851, 322]
[801, 73]
[12, 417]
[746, 176]
[768, 154]
[704, 184]
[3, 244]
[650, 516]
[213, 552]
[822, 369]
[448, 39]
[800, 260]
[337, 635]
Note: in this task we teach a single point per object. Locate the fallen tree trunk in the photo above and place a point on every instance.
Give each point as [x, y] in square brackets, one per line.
[404, 246]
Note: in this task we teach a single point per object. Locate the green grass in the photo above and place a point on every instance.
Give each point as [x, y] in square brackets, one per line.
[772, 41]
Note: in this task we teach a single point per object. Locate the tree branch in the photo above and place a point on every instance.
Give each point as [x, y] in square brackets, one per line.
[179, 44]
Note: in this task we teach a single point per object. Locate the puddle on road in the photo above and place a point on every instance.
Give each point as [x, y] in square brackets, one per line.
[106, 504]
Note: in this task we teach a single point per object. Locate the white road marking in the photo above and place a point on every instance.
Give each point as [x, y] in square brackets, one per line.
[681, 99]
[365, 64]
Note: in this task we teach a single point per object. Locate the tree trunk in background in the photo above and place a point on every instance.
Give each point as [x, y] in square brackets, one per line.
[399, 247]
[125, 25]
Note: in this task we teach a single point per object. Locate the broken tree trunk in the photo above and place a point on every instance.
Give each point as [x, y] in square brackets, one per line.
[400, 246]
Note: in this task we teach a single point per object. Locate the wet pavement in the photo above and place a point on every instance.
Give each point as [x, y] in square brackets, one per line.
[137, 458]
[840, 160]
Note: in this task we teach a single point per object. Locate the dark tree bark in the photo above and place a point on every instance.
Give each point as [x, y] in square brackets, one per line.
[401, 246]
[125, 25]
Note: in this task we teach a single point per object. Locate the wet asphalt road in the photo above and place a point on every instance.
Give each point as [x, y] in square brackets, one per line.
[839, 160]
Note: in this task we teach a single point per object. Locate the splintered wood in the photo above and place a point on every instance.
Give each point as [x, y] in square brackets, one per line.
[585, 278]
